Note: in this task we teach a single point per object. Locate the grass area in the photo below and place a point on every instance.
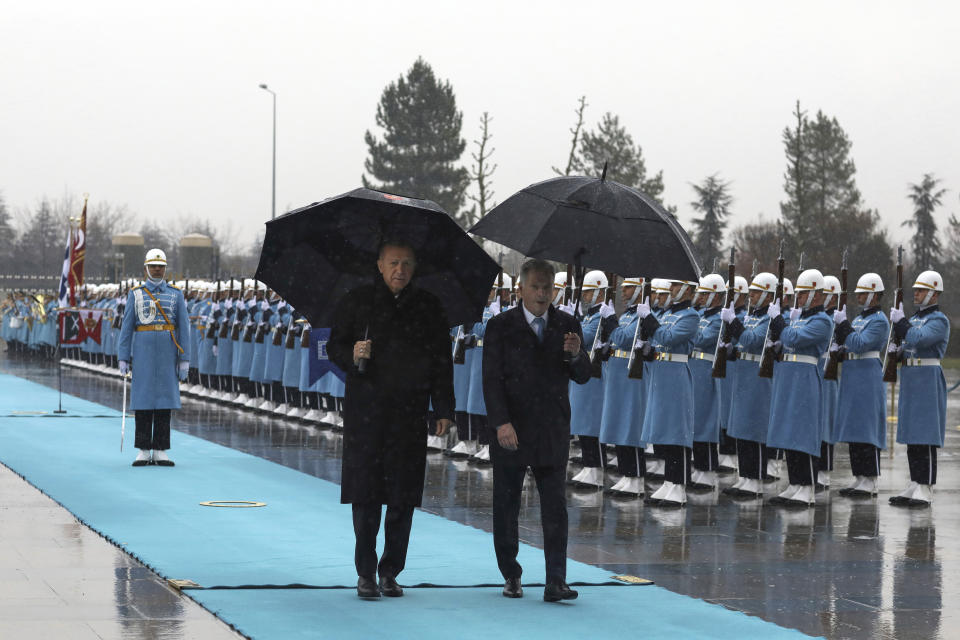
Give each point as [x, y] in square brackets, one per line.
[951, 363]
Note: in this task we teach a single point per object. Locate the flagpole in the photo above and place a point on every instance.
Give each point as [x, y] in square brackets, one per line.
[59, 365]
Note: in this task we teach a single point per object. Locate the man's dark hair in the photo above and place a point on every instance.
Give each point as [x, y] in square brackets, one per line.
[536, 265]
[395, 242]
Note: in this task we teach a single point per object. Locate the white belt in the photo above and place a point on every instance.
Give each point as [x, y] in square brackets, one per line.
[702, 355]
[863, 356]
[672, 357]
[795, 357]
[921, 362]
[751, 357]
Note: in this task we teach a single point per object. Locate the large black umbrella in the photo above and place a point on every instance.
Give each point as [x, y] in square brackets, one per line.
[595, 222]
[314, 255]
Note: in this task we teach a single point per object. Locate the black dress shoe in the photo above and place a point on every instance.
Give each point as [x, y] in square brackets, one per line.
[367, 588]
[899, 500]
[141, 463]
[389, 587]
[557, 591]
[512, 588]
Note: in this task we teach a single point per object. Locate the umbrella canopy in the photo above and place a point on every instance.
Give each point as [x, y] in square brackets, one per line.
[596, 222]
[314, 255]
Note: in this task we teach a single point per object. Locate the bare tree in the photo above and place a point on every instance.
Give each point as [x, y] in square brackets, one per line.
[480, 173]
[572, 157]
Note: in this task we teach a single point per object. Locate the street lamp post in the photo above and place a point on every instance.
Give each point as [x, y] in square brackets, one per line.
[273, 200]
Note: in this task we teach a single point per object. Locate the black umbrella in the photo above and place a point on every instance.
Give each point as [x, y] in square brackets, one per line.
[596, 222]
[314, 255]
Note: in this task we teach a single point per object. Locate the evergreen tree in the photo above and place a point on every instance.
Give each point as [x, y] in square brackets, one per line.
[40, 250]
[713, 202]
[824, 213]
[611, 144]
[925, 242]
[8, 239]
[421, 146]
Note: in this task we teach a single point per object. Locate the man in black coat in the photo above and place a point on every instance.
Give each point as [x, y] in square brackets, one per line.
[400, 332]
[531, 353]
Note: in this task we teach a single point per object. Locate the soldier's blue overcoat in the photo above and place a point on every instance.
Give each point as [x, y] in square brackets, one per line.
[259, 358]
[475, 402]
[725, 384]
[225, 344]
[152, 355]
[243, 350]
[461, 372]
[796, 405]
[750, 394]
[922, 414]
[622, 416]
[291, 364]
[706, 388]
[861, 413]
[668, 416]
[273, 364]
[206, 361]
[586, 400]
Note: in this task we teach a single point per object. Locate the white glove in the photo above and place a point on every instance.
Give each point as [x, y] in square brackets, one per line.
[834, 347]
[215, 350]
[264, 305]
[228, 304]
[283, 303]
[727, 314]
[773, 310]
[251, 303]
[249, 323]
[892, 347]
[566, 308]
[795, 313]
[495, 307]
[839, 317]
[607, 310]
[896, 314]
[124, 367]
[184, 368]
[643, 309]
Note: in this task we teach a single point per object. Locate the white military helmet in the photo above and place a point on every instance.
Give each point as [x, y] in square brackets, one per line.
[767, 283]
[711, 284]
[740, 288]
[932, 282]
[831, 287]
[560, 280]
[595, 280]
[809, 280]
[155, 256]
[659, 286]
[507, 283]
[870, 284]
[632, 281]
[787, 287]
[261, 286]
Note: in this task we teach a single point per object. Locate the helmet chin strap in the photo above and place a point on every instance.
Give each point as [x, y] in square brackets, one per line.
[826, 300]
[761, 299]
[927, 298]
[869, 300]
[633, 298]
[806, 303]
[710, 299]
[556, 300]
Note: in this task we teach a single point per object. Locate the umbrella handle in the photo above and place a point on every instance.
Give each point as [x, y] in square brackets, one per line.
[362, 365]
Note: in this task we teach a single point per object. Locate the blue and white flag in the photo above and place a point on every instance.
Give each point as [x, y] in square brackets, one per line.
[320, 363]
[64, 291]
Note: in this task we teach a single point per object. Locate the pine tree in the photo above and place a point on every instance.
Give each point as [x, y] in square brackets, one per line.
[40, 249]
[421, 146]
[926, 241]
[8, 239]
[611, 144]
[824, 213]
[713, 202]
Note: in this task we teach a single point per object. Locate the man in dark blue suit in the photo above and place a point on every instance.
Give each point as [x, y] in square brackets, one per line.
[531, 353]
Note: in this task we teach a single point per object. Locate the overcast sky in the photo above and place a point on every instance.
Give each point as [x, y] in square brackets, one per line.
[156, 105]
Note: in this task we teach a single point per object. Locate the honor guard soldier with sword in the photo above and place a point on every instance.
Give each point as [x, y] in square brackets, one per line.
[154, 346]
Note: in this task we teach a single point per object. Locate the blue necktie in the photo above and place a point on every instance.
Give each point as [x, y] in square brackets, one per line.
[538, 327]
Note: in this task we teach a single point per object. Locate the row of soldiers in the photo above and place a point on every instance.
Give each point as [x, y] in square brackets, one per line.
[28, 322]
[655, 400]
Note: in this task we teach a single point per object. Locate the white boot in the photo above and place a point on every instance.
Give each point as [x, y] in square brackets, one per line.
[143, 458]
[867, 485]
[675, 497]
[656, 467]
[752, 486]
[335, 419]
[618, 486]
[773, 468]
[282, 409]
[922, 496]
[483, 455]
[904, 496]
[253, 402]
[590, 477]
[704, 479]
[436, 443]
[633, 486]
[823, 478]
[727, 461]
[295, 413]
[661, 493]
[648, 449]
[267, 406]
[734, 489]
[852, 486]
[463, 449]
[789, 492]
[804, 496]
[160, 458]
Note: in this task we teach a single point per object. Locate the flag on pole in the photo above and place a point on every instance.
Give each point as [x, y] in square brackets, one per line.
[76, 325]
[78, 250]
[64, 291]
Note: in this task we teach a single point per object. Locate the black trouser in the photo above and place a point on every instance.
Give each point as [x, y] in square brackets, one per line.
[706, 456]
[366, 526]
[826, 457]
[153, 429]
[922, 459]
[728, 445]
[864, 459]
[676, 462]
[508, 479]
[630, 461]
[464, 428]
[801, 467]
[591, 451]
[482, 429]
[751, 459]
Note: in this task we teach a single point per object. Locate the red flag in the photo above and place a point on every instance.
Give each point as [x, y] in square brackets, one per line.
[70, 327]
[78, 250]
[91, 321]
[76, 325]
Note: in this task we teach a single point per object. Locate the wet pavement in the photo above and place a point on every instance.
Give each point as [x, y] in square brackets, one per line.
[848, 568]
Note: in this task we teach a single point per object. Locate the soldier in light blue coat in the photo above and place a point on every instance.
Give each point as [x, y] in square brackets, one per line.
[622, 415]
[273, 359]
[668, 416]
[248, 317]
[728, 444]
[861, 418]
[706, 388]
[466, 445]
[586, 400]
[796, 409]
[154, 341]
[831, 388]
[922, 414]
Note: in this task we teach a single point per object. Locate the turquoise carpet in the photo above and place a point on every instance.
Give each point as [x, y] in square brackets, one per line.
[304, 536]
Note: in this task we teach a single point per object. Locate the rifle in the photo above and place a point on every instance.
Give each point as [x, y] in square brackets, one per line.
[291, 335]
[305, 336]
[834, 359]
[239, 314]
[459, 348]
[635, 363]
[225, 326]
[720, 353]
[768, 356]
[890, 364]
[596, 361]
[214, 323]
